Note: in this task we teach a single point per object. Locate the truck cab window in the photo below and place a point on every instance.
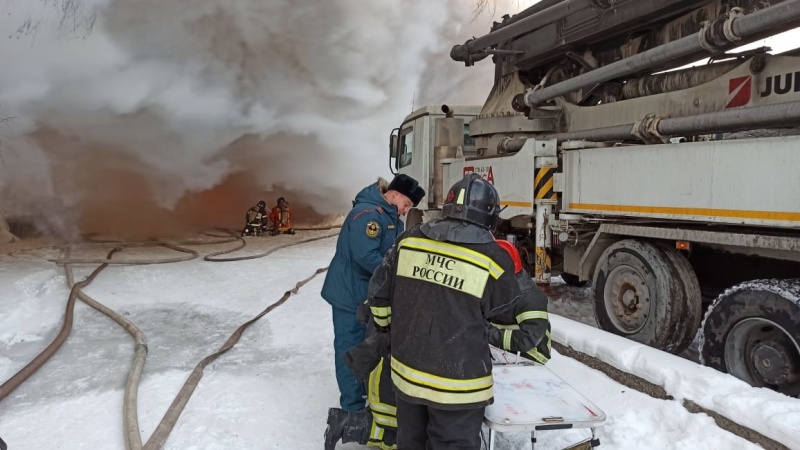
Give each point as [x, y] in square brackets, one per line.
[469, 141]
[406, 147]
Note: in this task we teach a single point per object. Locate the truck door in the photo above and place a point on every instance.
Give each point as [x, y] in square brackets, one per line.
[412, 157]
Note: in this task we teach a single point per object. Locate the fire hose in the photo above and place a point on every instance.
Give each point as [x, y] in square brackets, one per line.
[133, 439]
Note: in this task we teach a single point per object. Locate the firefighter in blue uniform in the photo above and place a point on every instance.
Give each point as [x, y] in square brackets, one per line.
[368, 231]
[435, 293]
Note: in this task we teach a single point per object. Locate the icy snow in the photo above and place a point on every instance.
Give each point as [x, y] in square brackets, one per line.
[273, 389]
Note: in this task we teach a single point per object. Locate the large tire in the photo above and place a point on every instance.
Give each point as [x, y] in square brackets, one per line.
[688, 322]
[639, 294]
[752, 331]
[573, 280]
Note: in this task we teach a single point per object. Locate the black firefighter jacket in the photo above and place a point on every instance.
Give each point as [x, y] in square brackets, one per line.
[435, 291]
[524, 329]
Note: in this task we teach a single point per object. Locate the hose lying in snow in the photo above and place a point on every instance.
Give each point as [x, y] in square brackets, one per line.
[164, 427]
[130, 411]
[211, 257]
[37, 362]
[130, 414]
[76, 291]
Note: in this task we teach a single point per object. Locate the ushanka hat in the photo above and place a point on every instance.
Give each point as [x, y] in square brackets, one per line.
[407, 186]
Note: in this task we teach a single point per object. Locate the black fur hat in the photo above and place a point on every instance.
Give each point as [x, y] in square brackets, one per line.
[407, 186]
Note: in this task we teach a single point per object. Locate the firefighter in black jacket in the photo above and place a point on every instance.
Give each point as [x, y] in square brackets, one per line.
[434, 292]
[255, 220]
[525, 329]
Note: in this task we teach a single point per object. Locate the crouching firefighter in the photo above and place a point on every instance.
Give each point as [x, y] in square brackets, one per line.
[281, 217]
[369, 362]
[525, 329]
[255, 220]
[433, 293]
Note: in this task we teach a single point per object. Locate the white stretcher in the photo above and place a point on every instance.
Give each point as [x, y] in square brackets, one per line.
[529, 397]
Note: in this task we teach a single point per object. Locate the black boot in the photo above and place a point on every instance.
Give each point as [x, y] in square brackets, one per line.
[358, 426]
[337, 422]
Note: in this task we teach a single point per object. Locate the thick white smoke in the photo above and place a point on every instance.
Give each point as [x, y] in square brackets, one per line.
[183, 113]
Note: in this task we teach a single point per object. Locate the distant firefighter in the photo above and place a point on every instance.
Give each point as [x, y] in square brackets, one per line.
[256, 220]
[281, 218]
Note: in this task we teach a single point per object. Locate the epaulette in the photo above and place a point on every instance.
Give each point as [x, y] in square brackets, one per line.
[362, 212]
[379, 209]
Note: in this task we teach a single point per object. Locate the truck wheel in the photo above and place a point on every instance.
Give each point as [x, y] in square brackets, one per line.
[573, 280]
[688, 322]
[752, 331]
[638, 296]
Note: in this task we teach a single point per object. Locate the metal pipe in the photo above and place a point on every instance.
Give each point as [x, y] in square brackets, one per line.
[677, 80]
[743, 27]
[511, 145]
[739, 119]
[466, 51]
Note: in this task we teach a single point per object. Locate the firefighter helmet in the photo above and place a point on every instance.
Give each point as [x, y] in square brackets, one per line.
[262, 204]
[474, 200]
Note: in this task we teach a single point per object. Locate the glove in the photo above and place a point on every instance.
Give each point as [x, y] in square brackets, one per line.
[363, 314]
[365, 357]
[494, 335]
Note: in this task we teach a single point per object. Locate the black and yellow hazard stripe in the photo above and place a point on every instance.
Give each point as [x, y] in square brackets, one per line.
[543, 183]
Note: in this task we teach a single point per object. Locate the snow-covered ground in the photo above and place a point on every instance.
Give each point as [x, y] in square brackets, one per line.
[273, 389]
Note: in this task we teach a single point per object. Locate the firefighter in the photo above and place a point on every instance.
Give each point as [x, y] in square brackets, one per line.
[434, 293]
[525, 329]
[367, 233]
[281, 218]
[255, 220]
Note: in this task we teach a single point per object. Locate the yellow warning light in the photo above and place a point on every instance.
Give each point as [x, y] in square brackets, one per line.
[683, 245]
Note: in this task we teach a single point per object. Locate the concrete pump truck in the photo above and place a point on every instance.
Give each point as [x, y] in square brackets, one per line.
[655, 184]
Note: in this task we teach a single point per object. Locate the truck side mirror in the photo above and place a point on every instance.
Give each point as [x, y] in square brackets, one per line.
[393, 143]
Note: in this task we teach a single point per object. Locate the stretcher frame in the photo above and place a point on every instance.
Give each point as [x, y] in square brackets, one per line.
[524, 394]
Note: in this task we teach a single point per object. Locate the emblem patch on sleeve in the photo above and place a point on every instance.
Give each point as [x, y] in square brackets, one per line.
[373, 229]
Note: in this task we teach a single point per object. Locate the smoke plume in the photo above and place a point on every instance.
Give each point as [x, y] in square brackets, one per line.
[153, 117]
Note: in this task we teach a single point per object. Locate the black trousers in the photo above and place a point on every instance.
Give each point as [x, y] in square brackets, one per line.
[423, 427]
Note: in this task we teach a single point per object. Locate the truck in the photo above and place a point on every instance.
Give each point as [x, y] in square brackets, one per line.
[673, 191]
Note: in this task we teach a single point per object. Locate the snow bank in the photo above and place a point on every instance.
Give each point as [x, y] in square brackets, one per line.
[772, 414]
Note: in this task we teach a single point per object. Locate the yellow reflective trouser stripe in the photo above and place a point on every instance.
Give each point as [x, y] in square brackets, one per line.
[386, 421]
[376, 432]
[507, 339]
[375, 404]
[446, 398]
[454, 251]
[382, 315]
[437, 382]
[529, 315]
